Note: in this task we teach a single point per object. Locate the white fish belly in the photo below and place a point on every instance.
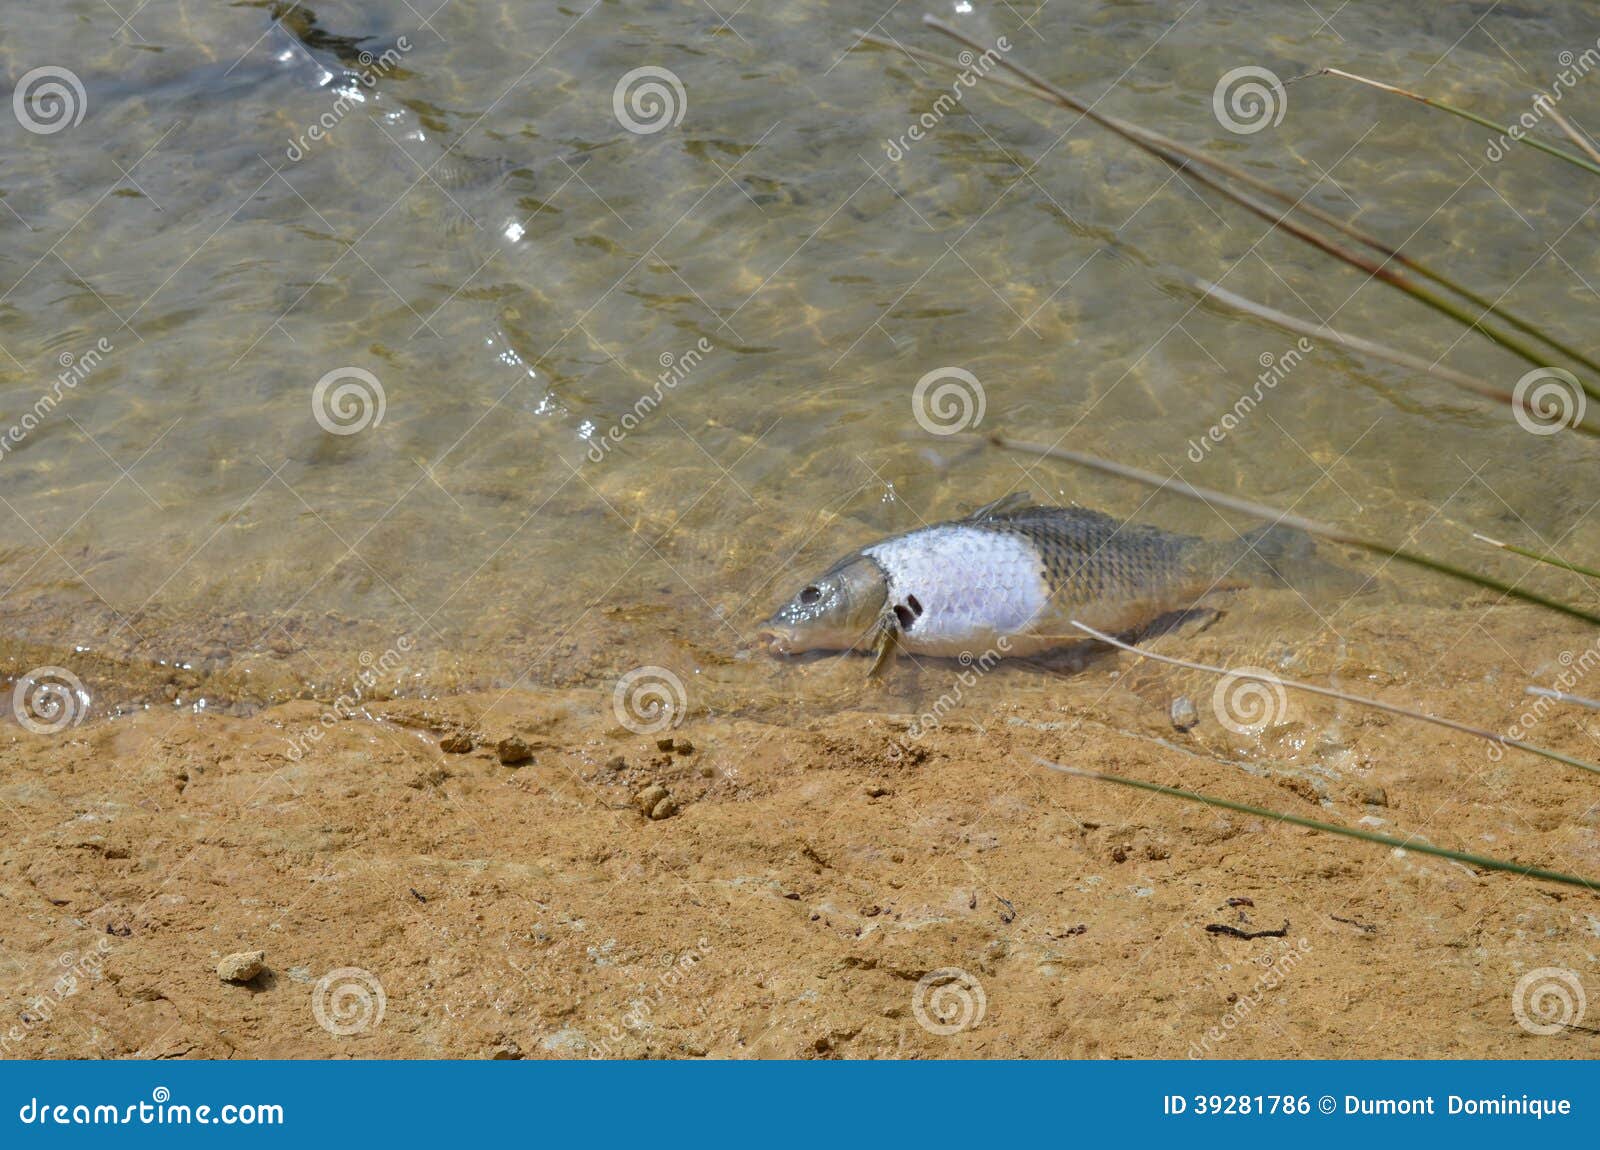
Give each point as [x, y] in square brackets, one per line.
[973, 588]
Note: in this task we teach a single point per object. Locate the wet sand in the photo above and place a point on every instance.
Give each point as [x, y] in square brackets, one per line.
[809, 890]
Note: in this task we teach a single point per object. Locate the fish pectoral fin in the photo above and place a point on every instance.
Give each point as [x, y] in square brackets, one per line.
[884, 644]
[1005, 505]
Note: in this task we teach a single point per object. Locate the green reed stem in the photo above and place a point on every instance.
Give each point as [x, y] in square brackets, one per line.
[1406, 844]
[1311, 526]
[1531, 141]
[1537, 555]
[1177, 158]
[1239, 175]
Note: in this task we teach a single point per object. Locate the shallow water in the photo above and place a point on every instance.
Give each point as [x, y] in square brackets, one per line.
[514, 267]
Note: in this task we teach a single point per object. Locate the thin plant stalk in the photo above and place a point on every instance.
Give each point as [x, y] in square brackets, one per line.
[1537, 555]
[1563, 697]
[1177, 161]
[1531, 141]
[1311, 526]
[1406, 844]
[1360, 700]
[1573, 134]
[1352, 342]
[1365, 347]
[1124, 127]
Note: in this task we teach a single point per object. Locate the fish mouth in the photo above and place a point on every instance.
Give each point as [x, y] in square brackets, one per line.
[776, 638]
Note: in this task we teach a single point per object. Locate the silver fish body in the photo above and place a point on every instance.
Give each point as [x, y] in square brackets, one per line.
[1011, 577]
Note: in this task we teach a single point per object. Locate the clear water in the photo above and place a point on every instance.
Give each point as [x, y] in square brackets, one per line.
[482, 235]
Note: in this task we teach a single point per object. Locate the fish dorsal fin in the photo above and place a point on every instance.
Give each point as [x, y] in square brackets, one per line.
[1006, 505]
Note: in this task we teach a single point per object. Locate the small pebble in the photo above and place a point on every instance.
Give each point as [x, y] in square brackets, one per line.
[457, 744]
[513, 751]
[650, 797]
[664, 744]
[616, 763]
[876, 789]
[1374, 795]
[1184, 716]
[242, 966]
[683, 747]
[665, 809]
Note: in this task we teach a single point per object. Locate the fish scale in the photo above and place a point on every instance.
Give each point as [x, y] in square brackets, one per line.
[1022, 576]
[1013, 576]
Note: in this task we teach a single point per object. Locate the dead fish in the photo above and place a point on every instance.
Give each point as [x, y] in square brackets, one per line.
[1011, 576]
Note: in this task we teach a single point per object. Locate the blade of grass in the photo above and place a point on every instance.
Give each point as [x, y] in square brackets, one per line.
[1312, 526]
[1524, 138]
[1406, 844]
[1178, 162]
[1297, 202]
[1361, 700]
[1542, 558]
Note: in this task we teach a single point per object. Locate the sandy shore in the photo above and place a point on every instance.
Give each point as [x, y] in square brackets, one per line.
[805, 889]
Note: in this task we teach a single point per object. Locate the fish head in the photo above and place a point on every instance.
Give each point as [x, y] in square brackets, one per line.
[837, 611]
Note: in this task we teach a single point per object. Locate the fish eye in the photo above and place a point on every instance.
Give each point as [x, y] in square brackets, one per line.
[810, 595]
